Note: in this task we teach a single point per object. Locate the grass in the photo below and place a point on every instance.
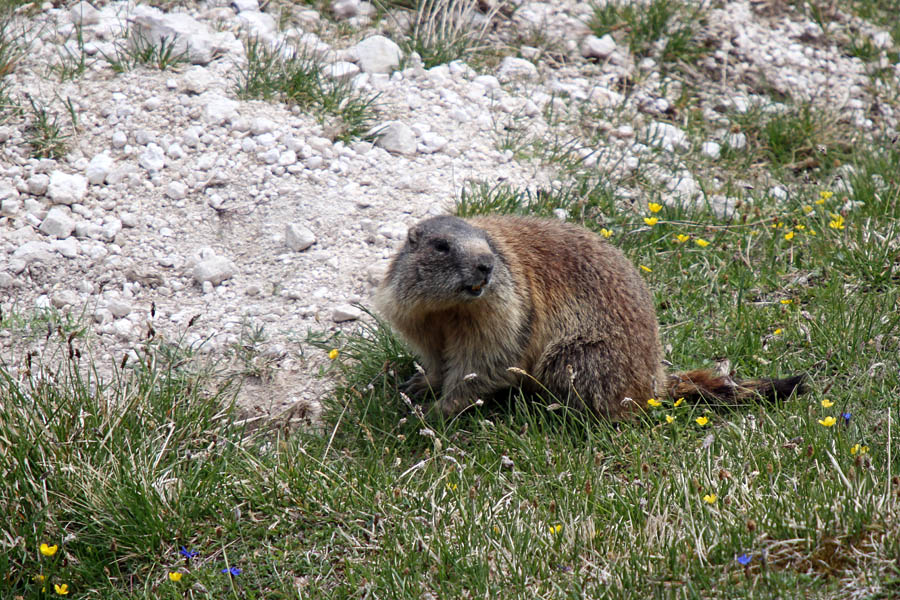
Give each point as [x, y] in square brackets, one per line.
[138, 51]
[297, 77]
[442, 31]
[663, 29]
[46, 134]
[512, 499]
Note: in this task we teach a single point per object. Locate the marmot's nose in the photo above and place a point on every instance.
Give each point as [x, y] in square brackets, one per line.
[485, 265]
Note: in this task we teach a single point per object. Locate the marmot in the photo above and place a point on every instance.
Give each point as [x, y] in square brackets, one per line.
[496, 302]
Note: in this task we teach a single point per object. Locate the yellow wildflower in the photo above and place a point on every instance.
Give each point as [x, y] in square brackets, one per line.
[823, 196]
[49, 550]
[786, 301]
[41, 578]
[827, 421]
[606, 232]
[651, 221]
[778, 331]
[827, 403]
[669, 418]
[800, 227]
[451, 486]
[837, 222]
[679, 402]
[333, 354]
[812, 232]
[654, 207]
[554, 529]
[701, 421]
[710, 498]
[701, 242]
[175, 576]
[808, 209]
[647, 269]
[654, 402]
[860, 449]
[789, 235]
[62, 590]
[496, 530]
[682, 238]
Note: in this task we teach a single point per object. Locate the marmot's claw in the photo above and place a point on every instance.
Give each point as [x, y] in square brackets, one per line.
[416, 387]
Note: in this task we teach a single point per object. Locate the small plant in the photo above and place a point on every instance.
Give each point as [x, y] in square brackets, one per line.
[296, 76]
[646, 26]
[442, 31]
[139, 51]
[45, 133]
[72, 62]
[10, 53]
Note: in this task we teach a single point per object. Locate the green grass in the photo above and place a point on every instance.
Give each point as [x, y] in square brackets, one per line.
[512, 499]
[46, 133]
[301, 79]
[644, 27]
[138, 51]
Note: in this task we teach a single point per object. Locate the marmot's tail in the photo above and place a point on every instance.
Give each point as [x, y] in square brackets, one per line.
[711, 387]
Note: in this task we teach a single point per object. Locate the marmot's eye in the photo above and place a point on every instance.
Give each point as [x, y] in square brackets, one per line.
[441, 245]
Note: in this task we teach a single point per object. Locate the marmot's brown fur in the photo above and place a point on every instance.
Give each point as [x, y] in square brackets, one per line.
[495, 302]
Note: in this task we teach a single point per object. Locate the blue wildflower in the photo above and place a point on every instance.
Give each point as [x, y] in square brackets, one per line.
[233, 571]
[744, 559]
[846, 417]
[188, 554]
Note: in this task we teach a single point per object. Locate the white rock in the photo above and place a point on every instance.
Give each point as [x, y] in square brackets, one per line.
[10, 207]
[152, 158]
[378, 54]
[6, 280]
[175, 151]
[69, 247]
[261, 125]
[111, 229]
[242, 5]
[64, 298]
[38, 184]
[31, 252]
[778, 192]
[102, 316]
[600, 48]
[258, 24]
[345, 9]
[176, 190]
[119, 308]
[396, 137]
[345, 312]
[84, 14]
[65, 188]
[431, 143]
[488, 82]
[197, 80]
[287, 158]
[712, 149]
[182, 32]
[513, 68]
[119, 139]
[217, 109]
[57, 223]
[98, 168]
[215, 270]
[666, 136]
[298, 237]
[124, 329]
[393, 231]
[343, 71]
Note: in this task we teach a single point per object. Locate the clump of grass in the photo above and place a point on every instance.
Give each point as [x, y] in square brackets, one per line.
[72, 62]
[663, 29]
[442, 31]
[138, 51]
[46, 135]
[10, 53]
[296, 76]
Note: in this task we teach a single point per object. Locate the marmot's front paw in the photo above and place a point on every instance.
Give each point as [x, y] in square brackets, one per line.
[416, 387]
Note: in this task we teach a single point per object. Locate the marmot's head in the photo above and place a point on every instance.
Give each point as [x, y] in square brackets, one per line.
[444, 260]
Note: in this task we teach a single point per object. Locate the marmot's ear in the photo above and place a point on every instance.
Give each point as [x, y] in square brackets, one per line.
[412, 237]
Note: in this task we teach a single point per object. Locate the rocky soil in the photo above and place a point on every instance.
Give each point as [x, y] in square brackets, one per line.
[181, 211]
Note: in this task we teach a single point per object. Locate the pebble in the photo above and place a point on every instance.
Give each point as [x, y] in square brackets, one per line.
[298, 237]
[378, 54]
[57, 223]
[37, 184]
[600, 48]
[512, 68]
[397, 138]
[214, 270]
[153, 158]
[65, 188]
[98, 168]
[345, 312]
